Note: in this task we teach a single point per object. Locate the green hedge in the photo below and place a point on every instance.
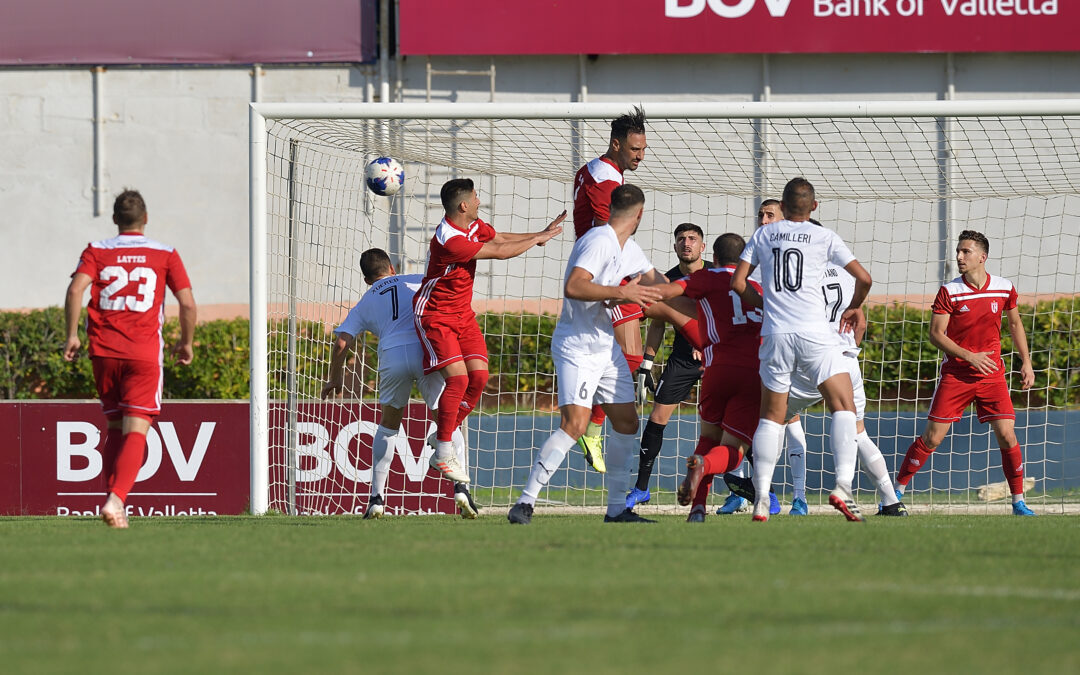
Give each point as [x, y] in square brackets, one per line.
[899, 363]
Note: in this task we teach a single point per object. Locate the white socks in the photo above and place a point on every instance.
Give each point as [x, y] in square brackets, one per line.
[796, 454]
[551, 456]
[382, 453]
[842, 443]
[874, 465]
[620, 451]
[766, 452]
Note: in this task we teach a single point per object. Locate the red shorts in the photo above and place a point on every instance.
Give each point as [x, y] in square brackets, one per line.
[128, 388]
[955, 393]
[620, 314]
[445, 343]
[731, 398]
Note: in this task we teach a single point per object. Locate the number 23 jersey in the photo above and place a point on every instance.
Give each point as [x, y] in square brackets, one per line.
[128, 275]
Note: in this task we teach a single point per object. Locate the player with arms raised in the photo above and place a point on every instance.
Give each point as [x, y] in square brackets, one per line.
[966, 325]
[386, 311]
[589, 365]
[793, 254]
[593, 185]
[444, 318]
[127, 276]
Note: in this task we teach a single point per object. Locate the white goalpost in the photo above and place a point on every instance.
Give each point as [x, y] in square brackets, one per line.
[898, 180]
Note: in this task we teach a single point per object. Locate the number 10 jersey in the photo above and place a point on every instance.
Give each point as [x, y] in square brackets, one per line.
[128, 275]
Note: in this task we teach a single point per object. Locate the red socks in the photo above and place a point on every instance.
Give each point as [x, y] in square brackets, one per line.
[719, 459]
[449, 405]
[914, 460]
[1012, 464]
[477, 381]
[128, 462]
[114, 440]
[692, 332]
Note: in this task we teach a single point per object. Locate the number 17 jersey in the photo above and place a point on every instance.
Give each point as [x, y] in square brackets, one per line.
[793, 258]
[128, 275]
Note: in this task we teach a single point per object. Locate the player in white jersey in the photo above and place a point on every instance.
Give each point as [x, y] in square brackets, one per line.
[838, 288]
[589, 364]
[386, 311]
[793, 255]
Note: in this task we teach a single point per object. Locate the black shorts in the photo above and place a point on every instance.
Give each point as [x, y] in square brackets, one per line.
[677, 381]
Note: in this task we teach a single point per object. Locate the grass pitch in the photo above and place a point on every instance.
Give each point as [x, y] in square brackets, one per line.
[567, 594]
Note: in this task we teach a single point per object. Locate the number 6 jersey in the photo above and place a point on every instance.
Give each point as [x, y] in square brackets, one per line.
[129, 274]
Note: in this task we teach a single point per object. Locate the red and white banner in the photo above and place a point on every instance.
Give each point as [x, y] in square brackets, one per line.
[197, 461]
[738, 26]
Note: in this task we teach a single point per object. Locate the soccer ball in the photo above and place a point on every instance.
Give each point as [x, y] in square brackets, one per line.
[384, 176]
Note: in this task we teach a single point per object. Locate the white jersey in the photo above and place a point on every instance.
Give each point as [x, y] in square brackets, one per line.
[838, 287]
[792, 258]
[386, 310]
[586, 326]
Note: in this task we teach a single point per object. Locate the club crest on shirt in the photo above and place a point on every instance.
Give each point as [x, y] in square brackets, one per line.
[994, 306]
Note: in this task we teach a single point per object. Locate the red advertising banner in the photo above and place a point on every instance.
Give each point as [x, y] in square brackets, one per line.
[196, 460]
[334, 460]
[738, 26]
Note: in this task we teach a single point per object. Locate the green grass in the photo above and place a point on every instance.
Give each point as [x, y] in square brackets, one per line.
[568, 594]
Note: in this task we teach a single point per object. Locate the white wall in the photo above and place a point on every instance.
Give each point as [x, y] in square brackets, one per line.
[180, 135]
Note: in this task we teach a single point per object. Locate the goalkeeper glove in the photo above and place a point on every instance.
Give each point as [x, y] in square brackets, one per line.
[645, 378]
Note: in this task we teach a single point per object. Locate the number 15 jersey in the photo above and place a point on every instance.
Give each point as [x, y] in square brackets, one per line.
[793, 258]
[129, 274]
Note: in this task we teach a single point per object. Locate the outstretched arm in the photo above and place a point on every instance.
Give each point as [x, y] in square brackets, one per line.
[508, 245]
[72, 311]
[580, 286]
[335, 381]
[1020, 344]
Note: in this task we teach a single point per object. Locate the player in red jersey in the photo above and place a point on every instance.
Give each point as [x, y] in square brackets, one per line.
[966, 325]
[592, 197]
[445, 322]
[127, 276]
[731, 385]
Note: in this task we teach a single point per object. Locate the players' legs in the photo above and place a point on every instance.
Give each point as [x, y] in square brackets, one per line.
[767, 447]
[620, 452]
[1012, 457]
[919, 451]
[477, 372]
[796, 452]
[840, 400]
[128, 462]
[874, 465]
[382, 448]
[676, 383]
[572, 423]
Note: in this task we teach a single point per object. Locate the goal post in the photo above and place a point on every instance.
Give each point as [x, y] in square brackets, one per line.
[898, 180]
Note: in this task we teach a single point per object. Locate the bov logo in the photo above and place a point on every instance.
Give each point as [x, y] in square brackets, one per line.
[728, 9]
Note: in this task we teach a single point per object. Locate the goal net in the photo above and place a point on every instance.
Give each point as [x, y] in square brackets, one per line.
[898, 181]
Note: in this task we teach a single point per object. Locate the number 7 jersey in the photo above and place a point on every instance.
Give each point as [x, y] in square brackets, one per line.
[128, 275]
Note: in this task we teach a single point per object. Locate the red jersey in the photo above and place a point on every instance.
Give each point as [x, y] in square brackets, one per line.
[127, 295]
[447, 287]
[731, 335]
[975, 319]
[593, 185]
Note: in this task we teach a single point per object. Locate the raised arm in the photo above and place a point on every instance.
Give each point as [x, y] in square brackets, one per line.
[72, 311]
[183, 350]
[740, 284]
[335, 381]
[853, 318]
[508, 245]
[1020, 344]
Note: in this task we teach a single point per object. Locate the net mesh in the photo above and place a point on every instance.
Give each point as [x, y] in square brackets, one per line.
[898, 190]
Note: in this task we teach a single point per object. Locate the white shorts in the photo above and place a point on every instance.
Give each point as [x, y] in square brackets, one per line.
[784, 354]
[586, 379]
[399, 368]
[803, 394]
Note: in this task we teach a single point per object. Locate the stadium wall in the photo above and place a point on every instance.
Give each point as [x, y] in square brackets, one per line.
[181, 134]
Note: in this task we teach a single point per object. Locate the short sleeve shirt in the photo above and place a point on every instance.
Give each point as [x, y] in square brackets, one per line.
[593, 186]
[732, 333]
[446, 290]
[792, 258]
[975, 319]
[585, 327]
[129, 275]
[385, 310]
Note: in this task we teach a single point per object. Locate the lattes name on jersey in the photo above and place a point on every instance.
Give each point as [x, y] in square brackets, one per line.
[131, 259]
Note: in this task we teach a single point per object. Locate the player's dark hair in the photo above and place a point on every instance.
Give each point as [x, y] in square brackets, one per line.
[631, 123]
[689, 226]
[374, 263]
[727, 248]
[798, 197]
[625, 197]
[128, 209]
[769, 202]
[454, 192]
[977, 237]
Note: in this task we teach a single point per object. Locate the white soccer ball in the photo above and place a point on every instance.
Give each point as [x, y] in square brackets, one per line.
[384, 176]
